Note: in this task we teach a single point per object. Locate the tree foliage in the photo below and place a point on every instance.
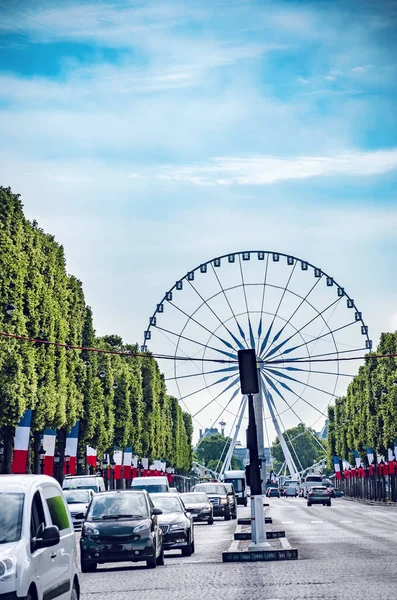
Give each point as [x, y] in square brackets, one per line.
[127, 406]
[303, 445]
[367, 415]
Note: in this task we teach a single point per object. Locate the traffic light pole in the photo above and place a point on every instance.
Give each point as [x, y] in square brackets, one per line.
[250, 386]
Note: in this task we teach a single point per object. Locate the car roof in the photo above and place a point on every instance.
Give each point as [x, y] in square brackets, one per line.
[23, 483]
[163, 495]
[128, 492]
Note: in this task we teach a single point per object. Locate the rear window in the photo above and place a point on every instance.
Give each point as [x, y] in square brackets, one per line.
[59, 515]
[211, 488]
[152, 489]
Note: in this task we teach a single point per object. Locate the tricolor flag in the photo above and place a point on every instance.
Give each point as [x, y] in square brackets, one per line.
[127, 462]
[371, 460]
[21, 443]
[118, 459]
[48, 440]
[71, 447]
[338, 474]
[357, 459]
[91, 457]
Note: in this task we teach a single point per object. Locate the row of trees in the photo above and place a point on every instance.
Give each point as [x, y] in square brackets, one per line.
[119, 401]
[212, 450]
[367, 415]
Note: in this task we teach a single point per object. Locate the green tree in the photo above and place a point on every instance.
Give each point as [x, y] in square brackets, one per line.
[213, 448]
[305, 450]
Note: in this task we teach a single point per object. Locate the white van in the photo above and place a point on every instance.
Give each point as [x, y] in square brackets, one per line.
[84, 482]
[237, 478]
[153, 485]
[310, 481]
[38, 557]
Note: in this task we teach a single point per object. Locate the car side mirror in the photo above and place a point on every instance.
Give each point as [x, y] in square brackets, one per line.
[49, 537]
[80, 515]
[188, 514]
[157, 511]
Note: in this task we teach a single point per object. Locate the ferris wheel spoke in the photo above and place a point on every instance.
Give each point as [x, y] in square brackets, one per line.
[236, 341]
[319, 372]
[201, 373]
[268, 379]
[260, 327]
[216, 398]
[251, 333]
[241, 331]
[293, 379]
[279, 346]
[206, 387]
[266, 339]
[315, 340]
[312, 356]
[288, 321]
[224, 409]
[183, 337]
[191, 318]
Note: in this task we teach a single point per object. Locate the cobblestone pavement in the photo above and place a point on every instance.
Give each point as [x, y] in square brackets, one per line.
[346, 552]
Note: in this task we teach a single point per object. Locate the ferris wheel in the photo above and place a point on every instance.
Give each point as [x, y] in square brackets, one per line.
[300, 321]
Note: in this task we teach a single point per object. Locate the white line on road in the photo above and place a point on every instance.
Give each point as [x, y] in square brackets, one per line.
[346, 521]
[317, 521]
[287, 522]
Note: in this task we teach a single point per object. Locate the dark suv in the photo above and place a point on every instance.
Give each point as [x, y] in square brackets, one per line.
[218, 496]
[232, 499]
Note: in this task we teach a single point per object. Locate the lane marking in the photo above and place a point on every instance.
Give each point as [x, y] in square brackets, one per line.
[346, 521]
[317, 521]
[287, 522]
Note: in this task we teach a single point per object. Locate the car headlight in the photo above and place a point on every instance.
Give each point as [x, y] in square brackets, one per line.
[143, 526]
[8, 568]
[206, 509]
[224, 500]
[178, 525]
[89, 531]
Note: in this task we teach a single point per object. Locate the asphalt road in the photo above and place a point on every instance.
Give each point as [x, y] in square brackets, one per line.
[346, 552]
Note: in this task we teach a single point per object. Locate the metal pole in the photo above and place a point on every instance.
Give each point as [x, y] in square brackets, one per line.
[257, 514]
[226, 464]
[259, 413]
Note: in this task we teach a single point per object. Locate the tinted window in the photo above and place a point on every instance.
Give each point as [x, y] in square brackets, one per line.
[152, 489]
[192, 498]
[238, 484]
[313, 478]
[168, 504]
[11, 509]
[108, 505]
[212, 488]
[77, 496]
[37, 520]
[58, 512]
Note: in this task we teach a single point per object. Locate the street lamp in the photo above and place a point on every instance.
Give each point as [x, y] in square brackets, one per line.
[115, 385]
[102, 374]
[67, 461]
[80, 463]
[57, 457]
[139, 467]
[42, 454]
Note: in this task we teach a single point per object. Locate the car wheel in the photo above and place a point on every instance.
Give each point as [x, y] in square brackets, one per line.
[187, 550]
[309, 503]
[75, 592]
[210, 521]
[160, 558]
[329, 503]
[88, 566]
[151, 562]
[227, 516]
[234, 515]
[192, 546]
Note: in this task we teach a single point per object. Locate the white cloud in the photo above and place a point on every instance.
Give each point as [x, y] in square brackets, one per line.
[261, 170]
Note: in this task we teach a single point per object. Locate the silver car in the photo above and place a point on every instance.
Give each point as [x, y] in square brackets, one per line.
[78, 502]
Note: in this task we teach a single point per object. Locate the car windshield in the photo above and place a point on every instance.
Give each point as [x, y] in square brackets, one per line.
[194, 498]
[152, 489]
[118, 505]
[237, 484]
[11, 508]
[211, 488]
[168, 504]
[77, 497]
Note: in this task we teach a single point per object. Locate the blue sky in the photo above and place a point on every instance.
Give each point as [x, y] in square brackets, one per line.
[150, 136]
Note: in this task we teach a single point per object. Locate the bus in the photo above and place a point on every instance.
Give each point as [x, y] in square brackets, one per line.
[310, 481]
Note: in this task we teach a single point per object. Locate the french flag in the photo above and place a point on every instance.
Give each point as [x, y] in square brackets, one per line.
[48, 440]
[338, 474]
[127, 461]
[390, 458]
[371, 460]
[91, 456]
[118, 459]
[357, 459]
[21, 443]
[71, 447]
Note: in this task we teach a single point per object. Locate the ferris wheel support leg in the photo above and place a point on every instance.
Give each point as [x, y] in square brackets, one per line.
[287, 454]
[259, 413]
[228, 459]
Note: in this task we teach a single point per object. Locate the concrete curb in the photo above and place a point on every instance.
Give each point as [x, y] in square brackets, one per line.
[236, 554]
[247, 521]
[239, 534]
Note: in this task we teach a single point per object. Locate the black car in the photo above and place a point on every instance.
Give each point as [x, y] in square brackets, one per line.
[273, 492]
[176, 523]
[199, 506]
[217, 495]
[121, 526]
[319, 495]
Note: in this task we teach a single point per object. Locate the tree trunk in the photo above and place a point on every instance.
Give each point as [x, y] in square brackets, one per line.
[8, 435]
[61, 450]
